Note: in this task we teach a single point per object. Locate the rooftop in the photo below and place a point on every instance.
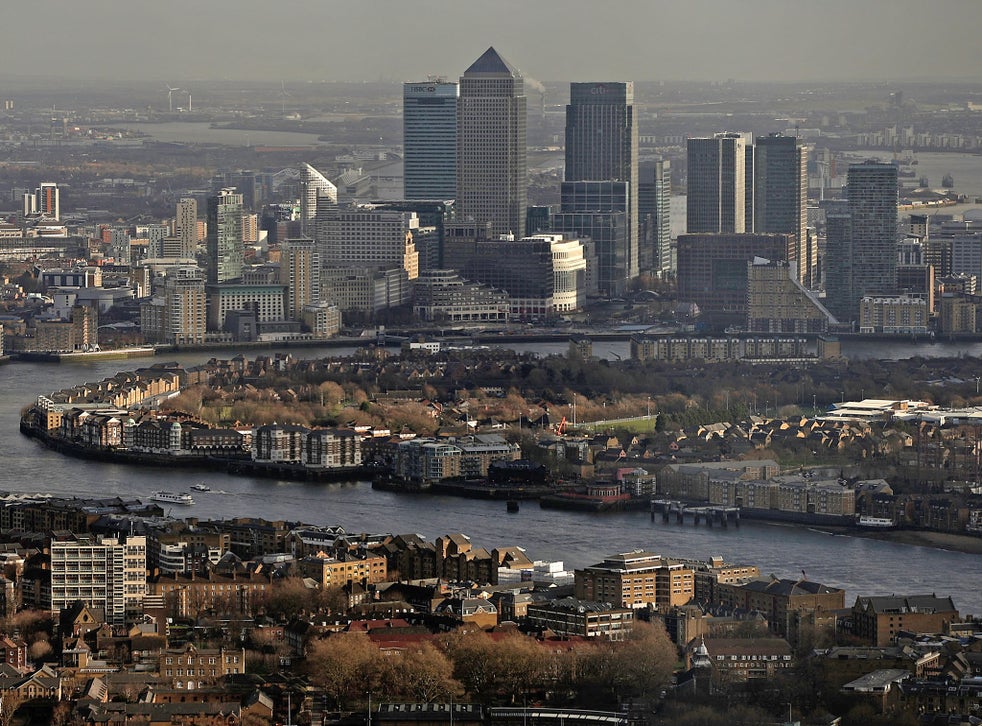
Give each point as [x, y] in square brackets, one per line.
[492, 62]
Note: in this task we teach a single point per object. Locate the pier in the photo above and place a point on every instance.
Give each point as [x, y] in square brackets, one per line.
[710, 514]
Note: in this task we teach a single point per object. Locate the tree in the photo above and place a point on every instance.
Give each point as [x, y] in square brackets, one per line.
[288, 598]
[425, 674]
[473, 663]
[637, 667]
[345, 666]
[520, 664]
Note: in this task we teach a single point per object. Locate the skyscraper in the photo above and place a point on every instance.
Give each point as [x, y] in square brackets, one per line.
[654, 207]
[300, 271]
[598, 209]
[184, 316]
[429, 131]
[717, 187]
[187, 226]
[862, 234]
[602, 145]
[781, 197]
[873, 195]
[45, 201]
[492, 170]
[224, 242]
[316, 190]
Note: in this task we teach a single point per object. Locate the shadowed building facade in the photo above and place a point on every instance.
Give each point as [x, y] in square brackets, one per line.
[602, 146]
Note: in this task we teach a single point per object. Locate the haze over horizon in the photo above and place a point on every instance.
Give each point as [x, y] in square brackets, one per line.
[550, 40]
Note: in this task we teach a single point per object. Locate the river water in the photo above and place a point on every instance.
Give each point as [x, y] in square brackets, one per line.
[861, 566]
[965, 168]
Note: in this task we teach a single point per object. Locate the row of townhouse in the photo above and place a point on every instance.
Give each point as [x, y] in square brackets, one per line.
[646, 348]
[451, 557]
[326, 448]
[425, 459]
[95, 429]
[126, 389]
[735, 484]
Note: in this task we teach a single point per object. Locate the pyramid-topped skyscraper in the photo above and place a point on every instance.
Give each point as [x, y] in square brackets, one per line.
[492, 171]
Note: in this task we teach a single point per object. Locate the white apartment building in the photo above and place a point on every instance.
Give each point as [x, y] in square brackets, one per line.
[102, 572]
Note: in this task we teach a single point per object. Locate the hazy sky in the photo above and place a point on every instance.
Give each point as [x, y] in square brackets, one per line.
[552, 40]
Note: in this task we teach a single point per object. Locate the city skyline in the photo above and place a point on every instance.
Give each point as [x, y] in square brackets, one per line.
[836, 40]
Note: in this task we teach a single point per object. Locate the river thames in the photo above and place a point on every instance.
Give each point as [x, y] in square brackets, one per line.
[861, 566]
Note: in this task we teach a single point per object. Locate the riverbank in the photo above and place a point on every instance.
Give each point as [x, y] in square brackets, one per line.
[949, 541]
[938, 540]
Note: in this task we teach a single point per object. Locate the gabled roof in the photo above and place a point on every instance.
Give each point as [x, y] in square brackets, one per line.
[492, 62]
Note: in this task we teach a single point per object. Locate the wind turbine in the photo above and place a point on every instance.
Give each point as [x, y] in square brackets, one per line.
[170, 97]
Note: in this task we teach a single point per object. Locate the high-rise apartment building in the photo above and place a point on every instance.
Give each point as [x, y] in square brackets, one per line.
[873, 195]
[224, 241]
[718, 186]
[654, 214]
[45, 201]
[300, 271]
[102, 572]
[250, 228]
[186, 227]
[184, 313]
[316, 191]
[119, 245]
[781, 198]
[154, 234]
[429, 133]
[861, 244]
[602, 146]
[492, 168]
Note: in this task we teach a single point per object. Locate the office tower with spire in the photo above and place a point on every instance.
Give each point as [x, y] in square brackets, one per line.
[316, 191]
[492, 168]
[429, 133]
[781, 198]
[602, 146]
[224, 241]
[717, 191]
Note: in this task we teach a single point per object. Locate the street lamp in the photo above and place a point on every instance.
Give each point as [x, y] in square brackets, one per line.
[648, 413]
